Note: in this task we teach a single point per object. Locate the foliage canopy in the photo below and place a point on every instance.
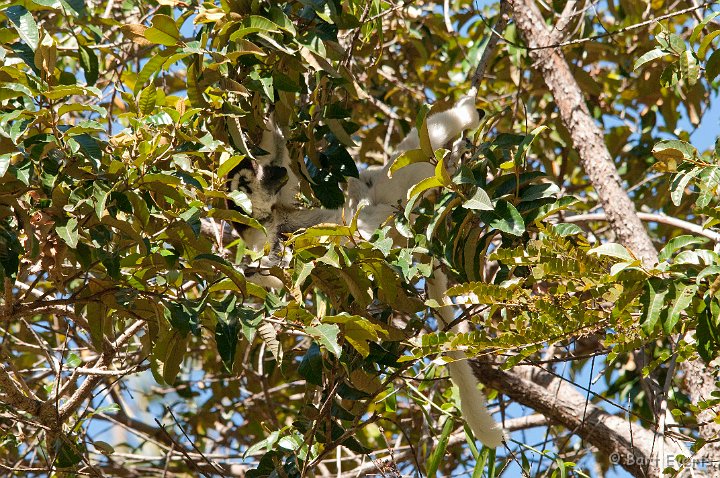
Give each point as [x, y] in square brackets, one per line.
[121, 286]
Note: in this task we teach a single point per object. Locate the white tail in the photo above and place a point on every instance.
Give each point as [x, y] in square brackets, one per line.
[472, 401]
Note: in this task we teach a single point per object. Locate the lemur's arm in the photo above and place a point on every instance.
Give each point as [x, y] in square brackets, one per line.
[442, 127]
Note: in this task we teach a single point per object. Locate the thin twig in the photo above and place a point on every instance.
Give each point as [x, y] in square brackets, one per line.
[650, 217]
[489, 51]
[624, 29]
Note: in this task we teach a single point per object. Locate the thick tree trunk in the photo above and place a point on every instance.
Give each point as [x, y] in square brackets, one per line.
[588, 139]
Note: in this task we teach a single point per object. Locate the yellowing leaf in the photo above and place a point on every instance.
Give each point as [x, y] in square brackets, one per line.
[164, 31]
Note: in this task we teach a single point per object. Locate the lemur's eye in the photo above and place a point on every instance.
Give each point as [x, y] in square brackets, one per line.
[275, 173]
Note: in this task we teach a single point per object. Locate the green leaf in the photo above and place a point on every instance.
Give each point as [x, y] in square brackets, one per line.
[678, 243]
[422, 130]
[653, 302]
[565, 229]
[480, 201]
[612, 249]
[96, 313]
[358, 331]
[712, 67]
[68, 232]
[13, 90]
[708, 271]
[73, 361]
[689, 67]
[618, 267]
[164, 31]
[683, 298]
[5, 163]
[327, 336]
[281, 20]
[700, 26]
[24, 24]
[69, 450]
[539, 191]
[254, 24]
[674, 149]
[524, 146]
[76, 6]
[504, 218]
[149, 69]
[708, 331]
[91, 65]
[311, 365]
[438, 454]
[424, 185]
[242, 200]
[146, 100]
[226, 338]
[169, 352]
[103, 447]
[649, 56]
[705, 43]
[63, 91]
[680, 182]
[101, 191]
[408, 157]
[228, 163]
[677, 44]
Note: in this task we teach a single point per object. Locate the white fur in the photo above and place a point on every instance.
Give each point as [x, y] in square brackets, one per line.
[376, 196]
[472, 400]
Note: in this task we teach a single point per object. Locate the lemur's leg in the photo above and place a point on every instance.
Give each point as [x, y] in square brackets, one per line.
[442, 127]
[446, 125]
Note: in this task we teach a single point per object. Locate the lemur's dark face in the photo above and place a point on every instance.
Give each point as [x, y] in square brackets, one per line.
[261, 184]
[265, 180]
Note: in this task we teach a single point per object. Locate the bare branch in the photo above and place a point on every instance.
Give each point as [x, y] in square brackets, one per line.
[564, 20]
[561, 402]
[13, 396]
[628, 28]
[489, 51]
[650, 217]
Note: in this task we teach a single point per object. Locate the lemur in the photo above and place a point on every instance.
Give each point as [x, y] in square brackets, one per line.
[272, 187]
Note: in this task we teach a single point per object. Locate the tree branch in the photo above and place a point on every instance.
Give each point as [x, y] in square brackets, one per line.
[13, 396]
[489, 51]
[587, 138]
[631, 445]
[650, 217]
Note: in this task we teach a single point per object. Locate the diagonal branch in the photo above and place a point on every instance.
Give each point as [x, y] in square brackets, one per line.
[626, 443]
[587, 137]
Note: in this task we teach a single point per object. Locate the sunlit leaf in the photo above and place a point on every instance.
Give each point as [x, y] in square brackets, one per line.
[24, 23]
[164, 31]
[327, 336]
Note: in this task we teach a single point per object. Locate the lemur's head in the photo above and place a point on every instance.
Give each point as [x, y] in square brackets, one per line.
[268, 180]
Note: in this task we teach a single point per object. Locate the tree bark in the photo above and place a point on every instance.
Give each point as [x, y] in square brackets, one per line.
[624, 442]
[700, 384]
[587, 138]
